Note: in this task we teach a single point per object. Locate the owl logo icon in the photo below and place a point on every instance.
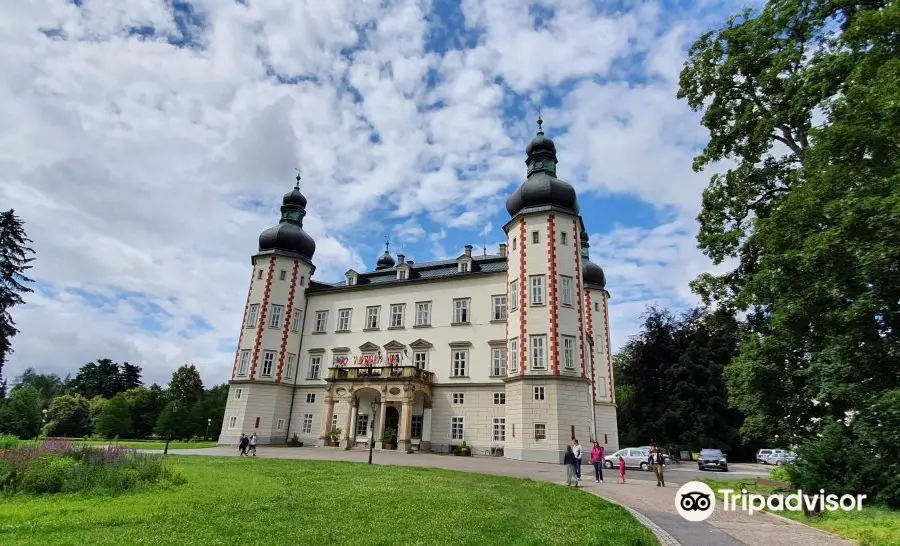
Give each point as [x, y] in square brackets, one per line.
[695, 501]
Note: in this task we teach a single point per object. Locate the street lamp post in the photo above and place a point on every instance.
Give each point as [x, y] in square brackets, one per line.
[43, 419]
[372, 434]
[208, 422]
[169, 437]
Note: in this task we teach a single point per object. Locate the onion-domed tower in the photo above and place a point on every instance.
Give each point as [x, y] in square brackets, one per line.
[266, 362]
[548, 385]
[385, 261]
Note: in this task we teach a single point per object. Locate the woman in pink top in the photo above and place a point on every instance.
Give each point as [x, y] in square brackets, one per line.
[621, 469]
[597, 461]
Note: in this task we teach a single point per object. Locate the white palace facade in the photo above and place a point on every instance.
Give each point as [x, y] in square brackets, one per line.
[508, 351]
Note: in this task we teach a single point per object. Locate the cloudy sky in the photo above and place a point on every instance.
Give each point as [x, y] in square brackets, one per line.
[146, 143]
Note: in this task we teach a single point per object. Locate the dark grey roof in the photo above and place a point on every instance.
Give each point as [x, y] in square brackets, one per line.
[442, 269]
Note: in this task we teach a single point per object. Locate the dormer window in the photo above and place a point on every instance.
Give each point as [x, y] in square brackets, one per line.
[401, 275]
[464, 267]
[351, 278]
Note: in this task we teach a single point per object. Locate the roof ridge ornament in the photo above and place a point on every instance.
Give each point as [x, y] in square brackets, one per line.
[297, 184]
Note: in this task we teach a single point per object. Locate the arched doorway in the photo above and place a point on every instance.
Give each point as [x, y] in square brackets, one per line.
[392, 421]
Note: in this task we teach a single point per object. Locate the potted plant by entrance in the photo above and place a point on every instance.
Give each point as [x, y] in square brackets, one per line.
[389, 439]
[334, 436]
[462, 450]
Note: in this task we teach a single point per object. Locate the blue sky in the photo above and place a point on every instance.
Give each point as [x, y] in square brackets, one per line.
[148, 142]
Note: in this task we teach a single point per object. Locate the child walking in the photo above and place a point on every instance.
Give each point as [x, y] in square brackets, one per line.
[621, 469]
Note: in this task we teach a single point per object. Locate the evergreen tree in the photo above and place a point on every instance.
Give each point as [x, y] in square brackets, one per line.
[49, 384]
[186, 385]
[14, 262]
[130, 377]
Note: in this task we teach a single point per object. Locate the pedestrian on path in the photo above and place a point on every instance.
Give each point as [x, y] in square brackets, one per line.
[242, 444]
[569, 461]
[253, 444]
[621, 469]
[597, 460]
[578, 451]
[656, 459]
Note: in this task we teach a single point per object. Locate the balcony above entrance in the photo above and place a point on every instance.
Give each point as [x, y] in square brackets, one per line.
[380, 373]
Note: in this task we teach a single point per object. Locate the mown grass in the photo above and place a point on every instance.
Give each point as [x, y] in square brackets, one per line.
[145, 444]
[229, 500]
[873, 525]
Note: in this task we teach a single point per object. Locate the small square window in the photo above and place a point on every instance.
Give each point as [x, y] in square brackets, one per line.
[540, 431]
[500, 398]
[311, 398]
[539, 393]
[459, 398]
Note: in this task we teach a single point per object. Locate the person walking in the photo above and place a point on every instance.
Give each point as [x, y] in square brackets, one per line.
[621, 469]
[578, 451]
[569, 461]
[597, 457]
[242, 444]
[656, 459]
[253, 444]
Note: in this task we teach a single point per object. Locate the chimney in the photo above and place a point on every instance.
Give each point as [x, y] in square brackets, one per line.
[502, 250]
[400, 258]
[468, 250]
[410, 262]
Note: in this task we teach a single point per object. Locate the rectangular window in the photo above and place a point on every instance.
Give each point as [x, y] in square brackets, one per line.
[244, 362]
[351, 280]
[596, 306]
[321, 321]
[538, 352]
[569, 352]
[282, 275]
[499, 429]
[289, 366]
[362, 425]
[343, 324]
[565, 284]
[311, 398]
[268, 362]
[260, 274]
[459, 398]
[461, 311]
[232, 422]
[423, 313]
[397, 312]
[537, 289]
[513, 295]
[417, 423]
[372, 317]
[498, 362]
[238, 394]
[253, 315]
[535, 237]
[564, 238]
[401, 275]
[540, 431]
[307, 423]
[295, 321]
[457, 428]
[334, 421]
[464, 267]
[460, 360]
[499, 308]
[500, 398]
[513, 243]
[539, 393]
[513, 356]
[315, 364]
[420, 359]
[280, 425]
[277, 316]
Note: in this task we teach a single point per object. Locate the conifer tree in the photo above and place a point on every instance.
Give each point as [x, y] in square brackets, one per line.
[15, 257]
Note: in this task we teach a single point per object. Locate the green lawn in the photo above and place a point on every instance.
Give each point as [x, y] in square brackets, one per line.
[872, 526]
[145, 444]
[229, 500]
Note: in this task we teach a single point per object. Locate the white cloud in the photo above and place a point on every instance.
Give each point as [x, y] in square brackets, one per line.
[143, 167]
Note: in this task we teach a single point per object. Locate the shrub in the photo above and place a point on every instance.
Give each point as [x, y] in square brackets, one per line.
[8, 441]
[780, 474]
[47, 474]
[294, 441]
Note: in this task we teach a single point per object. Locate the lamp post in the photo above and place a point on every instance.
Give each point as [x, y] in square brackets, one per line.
[43, 419]
[169, 437]
[372, 434]
[208, 422]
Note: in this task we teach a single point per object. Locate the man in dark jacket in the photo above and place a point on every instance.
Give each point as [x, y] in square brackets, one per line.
[657, 461]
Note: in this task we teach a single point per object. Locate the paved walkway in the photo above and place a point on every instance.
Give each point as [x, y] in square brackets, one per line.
[653, 506]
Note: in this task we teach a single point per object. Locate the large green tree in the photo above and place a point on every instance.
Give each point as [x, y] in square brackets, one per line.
[15, 259]
[69, 416]
[21, 414]
[115, 418]
[48, 384]
[186, 386]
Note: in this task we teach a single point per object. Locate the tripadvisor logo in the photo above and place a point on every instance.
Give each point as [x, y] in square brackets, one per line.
[696, 501]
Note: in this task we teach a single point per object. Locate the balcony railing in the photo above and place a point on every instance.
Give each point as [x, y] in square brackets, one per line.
[381, 372]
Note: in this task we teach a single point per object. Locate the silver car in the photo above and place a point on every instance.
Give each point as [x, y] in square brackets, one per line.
[780, 457]
[634, 457]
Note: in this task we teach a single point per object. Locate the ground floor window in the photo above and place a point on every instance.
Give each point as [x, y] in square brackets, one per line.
[540, 431]
[457, 428]
[232, 422]
[416, 426]
[362, 425]
[499, 429]
[280, 425]
[334, 421]
[307, 423]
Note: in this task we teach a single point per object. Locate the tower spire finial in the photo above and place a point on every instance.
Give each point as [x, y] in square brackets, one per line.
[297, 185]
[540, 122]
[387, 243]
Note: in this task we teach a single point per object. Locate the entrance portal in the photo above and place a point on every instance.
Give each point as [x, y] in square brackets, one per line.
[392, 421]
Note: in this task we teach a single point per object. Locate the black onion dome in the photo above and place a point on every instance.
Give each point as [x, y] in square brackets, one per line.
[294, 197]
[542, 188]
[540, 142]
[386, 261]
[591, 273]
[288, 235]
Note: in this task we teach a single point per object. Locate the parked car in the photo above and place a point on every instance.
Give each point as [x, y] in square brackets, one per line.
[634, 457]
[762, 454]
[780, 457]
[712, 458]
[666, 457]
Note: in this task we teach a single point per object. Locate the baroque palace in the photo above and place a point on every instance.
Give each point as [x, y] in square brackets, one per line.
[509, 352]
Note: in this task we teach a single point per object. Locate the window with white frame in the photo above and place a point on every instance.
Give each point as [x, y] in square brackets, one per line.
[457, 428]
[334, 421]
[498, 362]
[401, 274]
[423, 313]
[321, 321]
[397, 312]
[307, 423]
[460, 362]
[538, 352]
[280, 426]
[268, 362]
[464, 267]
[277, 316]
[295, 321]
[232, 422]
[564, 238]
[351, 280]
[535, 237]
[540, 431]
[500, 398]
[343, 323]
[291, 361]
[536, 283]
[238, 394]
[513, 355]
[252, 315]
[569, 352]
[565, 285]
[513, 295]
[420, 360]
[461, 311]
[499, 434]
[372, 317]
[499, 308]
[459, 398]
[416, 428]
[244, 362]
[315, 366]
[362, 424]
[539, 393]
[311, 398]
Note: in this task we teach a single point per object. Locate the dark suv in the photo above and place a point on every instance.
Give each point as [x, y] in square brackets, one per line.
[712, 458]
